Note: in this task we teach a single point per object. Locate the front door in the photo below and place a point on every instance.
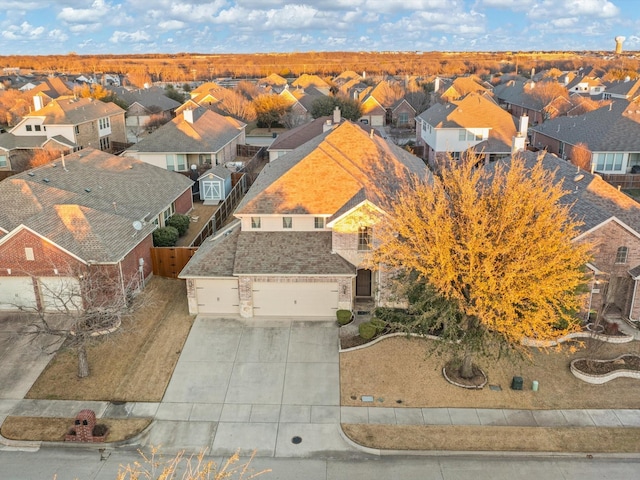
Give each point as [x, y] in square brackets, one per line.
[363, 283]
[211, 190]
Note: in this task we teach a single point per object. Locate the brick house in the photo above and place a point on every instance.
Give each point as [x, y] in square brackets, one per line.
[83, 122]
[611, 135]
[303, 231]
[611, 222]
[92, 210]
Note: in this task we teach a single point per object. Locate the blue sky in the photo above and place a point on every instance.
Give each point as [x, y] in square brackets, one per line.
[40, 27]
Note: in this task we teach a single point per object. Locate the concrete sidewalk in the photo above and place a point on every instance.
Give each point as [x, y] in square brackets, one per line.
[273, 387]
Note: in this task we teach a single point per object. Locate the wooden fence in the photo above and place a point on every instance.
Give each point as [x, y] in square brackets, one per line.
[623, 181]
[169, 261]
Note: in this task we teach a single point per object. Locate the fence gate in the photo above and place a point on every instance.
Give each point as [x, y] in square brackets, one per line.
[169, 261]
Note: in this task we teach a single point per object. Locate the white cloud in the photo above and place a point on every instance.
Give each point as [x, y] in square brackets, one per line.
[129, 37]
[99, 9]
[171, 25]
[58, 35]
[573, 8]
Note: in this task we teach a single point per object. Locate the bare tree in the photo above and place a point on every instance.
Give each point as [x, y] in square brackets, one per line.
[81, 304]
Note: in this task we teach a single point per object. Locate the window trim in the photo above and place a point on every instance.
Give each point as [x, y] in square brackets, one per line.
[622, 254]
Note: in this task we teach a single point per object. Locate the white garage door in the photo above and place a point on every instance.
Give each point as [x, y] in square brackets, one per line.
[16, 292]
[295, 299]
[217, 296]
[59, 294]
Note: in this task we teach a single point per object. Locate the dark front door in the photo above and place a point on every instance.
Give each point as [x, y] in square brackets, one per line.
[363, 283]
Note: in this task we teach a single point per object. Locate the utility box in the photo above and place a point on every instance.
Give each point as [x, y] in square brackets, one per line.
[517, 383]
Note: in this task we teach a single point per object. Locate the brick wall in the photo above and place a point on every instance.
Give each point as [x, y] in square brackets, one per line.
[130, 263]
[184, 203]
[118, 129]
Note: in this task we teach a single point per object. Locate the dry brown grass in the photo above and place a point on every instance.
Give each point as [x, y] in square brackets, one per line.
[502, 439]
[135, 363]
[400, 369]
[54, 429]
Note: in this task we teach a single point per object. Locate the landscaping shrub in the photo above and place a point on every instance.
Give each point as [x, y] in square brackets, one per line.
[379, 324]
[344, 316]
[367, 330]
[180, 222]
[165, 237]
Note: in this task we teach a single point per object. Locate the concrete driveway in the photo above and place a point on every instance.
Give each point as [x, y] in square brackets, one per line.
[254, 386]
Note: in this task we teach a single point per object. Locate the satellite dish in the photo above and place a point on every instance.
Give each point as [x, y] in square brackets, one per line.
[137, 224]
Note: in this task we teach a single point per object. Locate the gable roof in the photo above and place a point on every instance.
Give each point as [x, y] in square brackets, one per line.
[53, 87]
[299, 135]
[149, 97]
[613, 128]
[305, 80]
[592, 200]
[75, 111]
[209, 132]
[88, 205]
[274, 80]
[474, 111]
[322, 175]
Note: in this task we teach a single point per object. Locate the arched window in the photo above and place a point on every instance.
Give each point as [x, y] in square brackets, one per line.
[621, 255]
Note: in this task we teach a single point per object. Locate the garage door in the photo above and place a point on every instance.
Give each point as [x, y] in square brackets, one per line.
[59, 294]
[295, 299]
[16, 292]
[217, 296]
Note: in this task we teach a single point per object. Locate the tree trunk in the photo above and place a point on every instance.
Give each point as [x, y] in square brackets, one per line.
[466, 370]
[83, 362]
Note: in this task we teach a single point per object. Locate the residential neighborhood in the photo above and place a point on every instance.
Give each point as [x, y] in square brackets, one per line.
[276, 240]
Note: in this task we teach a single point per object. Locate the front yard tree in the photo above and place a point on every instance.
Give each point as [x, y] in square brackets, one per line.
[270, 109]
[497, 244]
[80, 306]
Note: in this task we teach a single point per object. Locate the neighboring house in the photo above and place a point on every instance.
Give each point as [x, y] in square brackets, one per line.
[403, 115]
[301, 102]
[346, 77]
[475, 123]
[586, 85]
[146, 106]
[214, 185]
[461, 87]
[90, 210]
[274, 81]
[611, 222]
[49, 89]
[519, 98]
[305, 81]
[198, 137]
[84, 122]
[611, 134]
[373, 112]
[303, 232]
[14, 150]
[626, 89]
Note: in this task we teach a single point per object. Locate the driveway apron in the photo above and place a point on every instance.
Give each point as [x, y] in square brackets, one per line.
[263, 385]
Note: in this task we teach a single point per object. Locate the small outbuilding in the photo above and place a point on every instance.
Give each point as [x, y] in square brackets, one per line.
[215, 184]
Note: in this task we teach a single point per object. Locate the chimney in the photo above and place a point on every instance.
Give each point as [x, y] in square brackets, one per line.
[37, 102]
[436, 85]
[336, 115]
[327, 126]
[517, 143]
[187, 113]
[523, 125]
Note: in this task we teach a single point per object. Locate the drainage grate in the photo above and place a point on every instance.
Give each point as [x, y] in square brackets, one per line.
[363, 312]
[296, 440]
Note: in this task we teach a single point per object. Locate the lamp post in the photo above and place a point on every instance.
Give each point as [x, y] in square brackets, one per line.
[594, 289]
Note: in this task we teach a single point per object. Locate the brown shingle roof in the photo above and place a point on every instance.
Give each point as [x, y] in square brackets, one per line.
[75, 111]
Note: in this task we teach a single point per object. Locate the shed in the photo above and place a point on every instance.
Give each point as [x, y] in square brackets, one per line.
[215, 184]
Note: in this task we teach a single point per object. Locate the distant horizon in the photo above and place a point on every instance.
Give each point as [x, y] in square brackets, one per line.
[119, 27]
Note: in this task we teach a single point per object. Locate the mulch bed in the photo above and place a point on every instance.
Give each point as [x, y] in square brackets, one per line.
[453, 374]
[626, 362]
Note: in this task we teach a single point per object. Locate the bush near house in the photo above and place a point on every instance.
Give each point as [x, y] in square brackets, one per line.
[367, 330]
[165, 237]
[344, 316]
[180, 222]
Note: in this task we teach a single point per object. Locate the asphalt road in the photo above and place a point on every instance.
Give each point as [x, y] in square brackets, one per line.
[68, 464]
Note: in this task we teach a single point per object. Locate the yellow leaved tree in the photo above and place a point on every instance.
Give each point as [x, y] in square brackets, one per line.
[493, 242]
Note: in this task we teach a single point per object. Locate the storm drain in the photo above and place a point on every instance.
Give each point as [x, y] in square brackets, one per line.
[296, 440]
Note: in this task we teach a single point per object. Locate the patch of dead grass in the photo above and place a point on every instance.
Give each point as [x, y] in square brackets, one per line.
[133, 364]
[399, 368]
[49, 429]
[500, 439]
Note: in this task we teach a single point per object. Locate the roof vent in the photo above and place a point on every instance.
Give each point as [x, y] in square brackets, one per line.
[45, 180]
[88, 190]
[578, 177]
[31, 174]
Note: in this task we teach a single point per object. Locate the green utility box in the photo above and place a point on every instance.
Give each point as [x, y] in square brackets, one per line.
[516, 383]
